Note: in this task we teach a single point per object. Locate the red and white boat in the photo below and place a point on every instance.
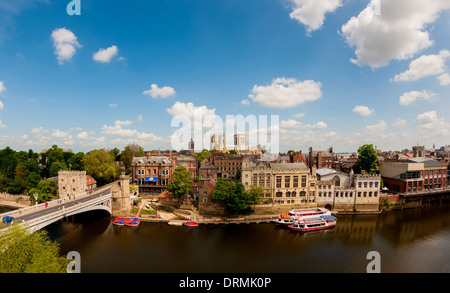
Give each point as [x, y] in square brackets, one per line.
[133, 222]
[314, 224]
[190, 224]
[297, 214]
[119, 221]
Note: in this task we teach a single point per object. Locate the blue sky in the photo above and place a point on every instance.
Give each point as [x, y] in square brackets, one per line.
[312, 62]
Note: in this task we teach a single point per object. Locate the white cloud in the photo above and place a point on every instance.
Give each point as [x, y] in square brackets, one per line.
[245, 102]
[1, 106]
[290, 124]
[60, 134]
[299, 115]
[444, 79]
[399, 123]
[83, 135]
[2, 87]
[65, 43]
[105, 55]
[427, 119]
[163, 92]
[311, 13]
[112, 105]
[190, 110]
[117, 130]
[320, 125]
[123, 123]
[140, 118]
[399, 32]
[377, 128]
[286, 92]
[363, 110]
[409, 97]
[424, 66]
[38, 131]
[431, 126]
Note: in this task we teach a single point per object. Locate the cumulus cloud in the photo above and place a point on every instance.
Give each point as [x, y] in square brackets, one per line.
[245, 102]
[363, 110]
[320, 125]
[1, 106]
[409, 97]
[286, 92]
[399, 32]
[290, 124]
[117, 130]
[2, 87]
[377, 128]
[299, 115]
[444, 79]
[311, 13]
[105, 55]
[112, 105]
[123, 123]
[163, 92]
[424, 66]
[65, 43]
[399, 123]
[189, 110]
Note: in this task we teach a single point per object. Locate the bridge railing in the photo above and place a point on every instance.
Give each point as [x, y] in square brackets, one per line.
[64, 211]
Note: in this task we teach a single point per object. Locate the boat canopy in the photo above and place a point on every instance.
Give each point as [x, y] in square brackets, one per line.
[328, 217]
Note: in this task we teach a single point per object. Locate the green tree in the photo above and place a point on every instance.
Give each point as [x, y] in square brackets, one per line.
[367, 159]
[56, 167]
[234, 196]
[116, 153]
[45, 190]
[76, 162]
[181, 182]
[25, 252]
[205, 154]
[8, 163]
[101, 165]
[130, 151]
[33, 180]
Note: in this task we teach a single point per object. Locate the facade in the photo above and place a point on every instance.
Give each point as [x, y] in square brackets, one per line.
[91, 184]
[71, 183]
[413, 175]
[348, 192]
[120, 195]
[152, 174]
[207, 172]
[189, 162]
[227, 165]
[320, 159]
[283, 183]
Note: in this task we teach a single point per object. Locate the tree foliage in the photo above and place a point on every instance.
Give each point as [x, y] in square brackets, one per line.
[367, 159]
[204, 154]
[181, 182]
[234, 196]
[25, 252]
[101, 165]
[45, 190]
[130, 151]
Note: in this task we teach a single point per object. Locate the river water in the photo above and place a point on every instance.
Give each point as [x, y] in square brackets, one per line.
[408, 241]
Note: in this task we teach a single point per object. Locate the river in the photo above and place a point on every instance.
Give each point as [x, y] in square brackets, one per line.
[408, 241]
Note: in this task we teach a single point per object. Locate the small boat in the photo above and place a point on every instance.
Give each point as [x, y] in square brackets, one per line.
[133, 222]
[119, 221]
[314, 224]
[190, 224]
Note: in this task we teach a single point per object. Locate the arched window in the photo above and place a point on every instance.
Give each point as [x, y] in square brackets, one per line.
[337, 181]
[279, 194]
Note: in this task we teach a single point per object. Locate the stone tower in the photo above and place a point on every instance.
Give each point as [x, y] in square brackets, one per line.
[418, 151]
[120, 194]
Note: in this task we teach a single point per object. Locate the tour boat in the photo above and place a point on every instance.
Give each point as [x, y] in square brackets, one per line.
[133, 222]
[314, 224]
[298, 214]
[308, 213]
[284, 220]
[119, 221]
[190, 224]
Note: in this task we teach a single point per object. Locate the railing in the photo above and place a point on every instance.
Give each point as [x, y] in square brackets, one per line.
[65, 211]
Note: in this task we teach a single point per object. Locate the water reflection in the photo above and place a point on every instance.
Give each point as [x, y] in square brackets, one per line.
[408, 241]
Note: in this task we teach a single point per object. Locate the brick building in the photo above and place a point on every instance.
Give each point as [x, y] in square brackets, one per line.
[152, 174]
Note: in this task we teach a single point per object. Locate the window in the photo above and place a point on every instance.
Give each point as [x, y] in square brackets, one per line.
[279, 194]
[287, 181]
[288, 194]
[359, 184]
[303, 181]
[365, 184]
[295, 184]
[278, 181]
[294, 194]
[359, 194]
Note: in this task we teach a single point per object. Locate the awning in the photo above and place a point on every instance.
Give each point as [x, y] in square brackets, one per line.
[151, 179]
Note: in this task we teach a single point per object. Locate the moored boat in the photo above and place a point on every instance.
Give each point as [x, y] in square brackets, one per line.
[284, 220]
[190, 224]
[119, 221]
[300, 214]
[133, 222]
[314, 224]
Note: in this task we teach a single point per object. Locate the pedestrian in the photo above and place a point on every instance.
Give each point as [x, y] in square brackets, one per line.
[46, 204]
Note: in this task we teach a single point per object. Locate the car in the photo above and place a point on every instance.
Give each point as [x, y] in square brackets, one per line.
[7, 219]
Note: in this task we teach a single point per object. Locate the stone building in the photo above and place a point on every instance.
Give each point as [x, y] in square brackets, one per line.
[283, 183]
[120, 195]
[71, 183]
[348, 192]
[207, 172]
